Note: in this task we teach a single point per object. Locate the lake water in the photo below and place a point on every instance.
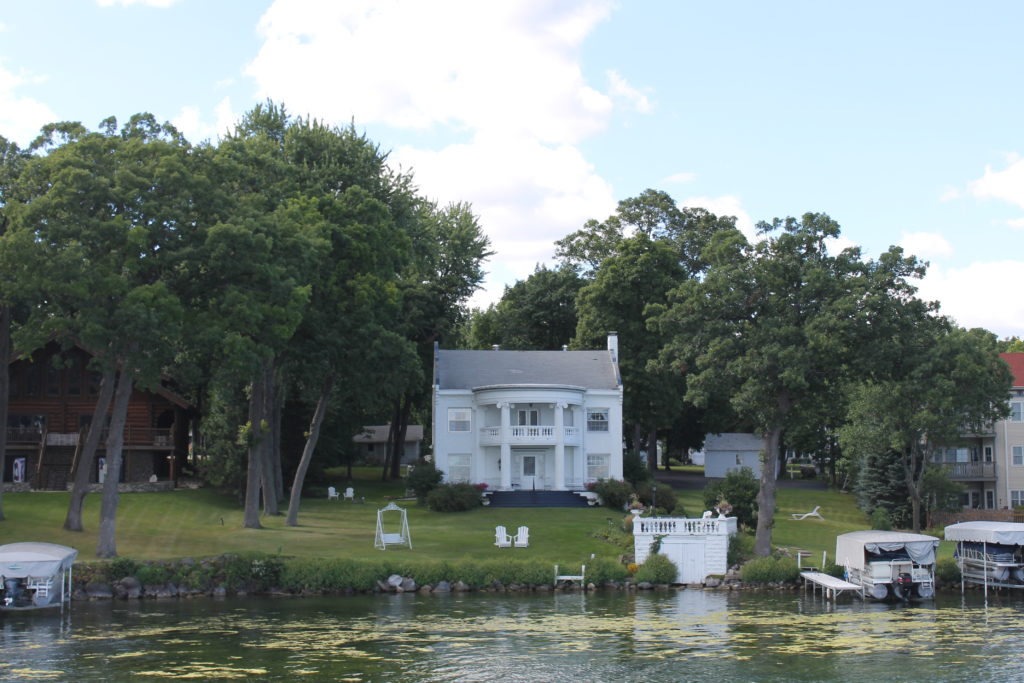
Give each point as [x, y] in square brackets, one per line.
[607, 636]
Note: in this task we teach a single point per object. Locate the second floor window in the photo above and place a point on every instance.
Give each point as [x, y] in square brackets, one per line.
[458, 419]
[597, 420]
[1018, 455]
[1016, 411]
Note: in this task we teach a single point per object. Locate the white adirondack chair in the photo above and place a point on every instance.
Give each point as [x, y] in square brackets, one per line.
[501, 537]
[332, 493]
[350, 494]
[522, 538]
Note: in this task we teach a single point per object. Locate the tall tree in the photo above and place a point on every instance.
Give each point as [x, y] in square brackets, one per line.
[774, 325]
[950, 381]
[535, 314]
[12, 160]
[97, 223]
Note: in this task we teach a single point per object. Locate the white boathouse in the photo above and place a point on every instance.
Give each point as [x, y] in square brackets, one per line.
[698, 547]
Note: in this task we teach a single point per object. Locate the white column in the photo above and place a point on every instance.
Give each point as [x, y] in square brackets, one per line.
[506, 448]
[559, 447]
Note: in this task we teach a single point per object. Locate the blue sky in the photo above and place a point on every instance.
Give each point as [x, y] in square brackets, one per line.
[900, 120]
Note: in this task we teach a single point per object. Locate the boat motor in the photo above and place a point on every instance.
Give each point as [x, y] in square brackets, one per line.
[12, 590]
[903, 585]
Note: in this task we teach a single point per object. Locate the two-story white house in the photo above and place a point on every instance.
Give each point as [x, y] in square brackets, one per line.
[528, 420]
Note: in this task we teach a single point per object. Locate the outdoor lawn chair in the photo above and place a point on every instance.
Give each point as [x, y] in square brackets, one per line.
[812, 513]
[501, 537]
[350, 494]
[522, 538]
[332, 493]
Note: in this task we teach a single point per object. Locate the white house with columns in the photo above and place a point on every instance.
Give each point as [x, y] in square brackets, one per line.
[528, 420]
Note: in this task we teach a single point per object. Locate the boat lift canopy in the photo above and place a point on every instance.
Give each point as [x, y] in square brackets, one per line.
[851, 547]
[22, 560]
[1000, 533]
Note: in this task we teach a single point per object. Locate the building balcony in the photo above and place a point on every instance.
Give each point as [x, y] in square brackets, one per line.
[533, 435]
[971, 471]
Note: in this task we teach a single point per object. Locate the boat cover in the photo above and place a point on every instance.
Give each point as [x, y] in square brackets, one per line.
[21, 560]
[1003, 533]
[851, 547]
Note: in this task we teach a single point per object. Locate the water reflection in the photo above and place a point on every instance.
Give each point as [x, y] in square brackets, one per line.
[667, 636]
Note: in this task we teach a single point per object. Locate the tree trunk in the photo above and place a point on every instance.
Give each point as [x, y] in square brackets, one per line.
[399, 442]
[652, 449]
[913, 486]
[270, 473]
[5, 382]
[275, 426]
[769, 471]
[389, 447]
[307, 452]
[637, 431]
[106, 546]
[254, 474]
[73, 520]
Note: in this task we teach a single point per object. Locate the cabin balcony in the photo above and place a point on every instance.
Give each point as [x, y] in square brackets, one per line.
[971, 471]
[533, 435]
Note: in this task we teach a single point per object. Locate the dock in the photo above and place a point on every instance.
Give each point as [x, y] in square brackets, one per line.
[831, 587]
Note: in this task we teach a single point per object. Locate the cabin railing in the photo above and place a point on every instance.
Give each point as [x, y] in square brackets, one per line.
[971, 471]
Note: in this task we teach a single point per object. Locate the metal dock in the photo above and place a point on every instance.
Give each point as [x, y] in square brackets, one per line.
[830, 585]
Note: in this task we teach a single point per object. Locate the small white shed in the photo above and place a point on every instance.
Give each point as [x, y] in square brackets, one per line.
[724, 453]
[697, 547]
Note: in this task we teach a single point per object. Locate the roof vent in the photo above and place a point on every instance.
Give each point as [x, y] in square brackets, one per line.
[495, 347]
[565, 347]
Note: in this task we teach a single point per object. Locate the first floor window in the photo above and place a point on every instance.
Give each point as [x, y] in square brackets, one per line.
[597, 467]
[1018, 455]
[458, 419]
[458, 468]
[1016, 498]
[597, 420]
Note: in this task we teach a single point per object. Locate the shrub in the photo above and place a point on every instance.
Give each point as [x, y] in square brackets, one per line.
[614, 493]
[422, 479]
[880, 519]
[634, 469]
[739, 488]
[121, 567]
[153, 575]
[656, 569]
[770, 570]
[741, 549]
[662, 496]
[833, 569]
[603, 569]
[947, 571]
[453, 497]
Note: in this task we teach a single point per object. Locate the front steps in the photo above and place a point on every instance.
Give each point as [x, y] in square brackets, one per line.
[536, 499]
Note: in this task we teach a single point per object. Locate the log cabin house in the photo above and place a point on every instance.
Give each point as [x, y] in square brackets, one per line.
[52, 397]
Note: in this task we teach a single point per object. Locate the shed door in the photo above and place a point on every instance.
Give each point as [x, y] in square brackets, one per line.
[688, 557]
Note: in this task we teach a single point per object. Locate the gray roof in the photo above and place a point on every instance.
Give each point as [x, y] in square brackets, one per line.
[379, 434]
[733, 441]
[473, 369]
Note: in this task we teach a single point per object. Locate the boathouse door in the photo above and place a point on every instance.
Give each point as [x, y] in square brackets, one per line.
[688, 556]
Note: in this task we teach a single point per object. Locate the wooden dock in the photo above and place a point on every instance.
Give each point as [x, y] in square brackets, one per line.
[831, 587]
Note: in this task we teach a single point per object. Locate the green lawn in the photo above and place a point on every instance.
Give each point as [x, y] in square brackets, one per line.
[201, 523]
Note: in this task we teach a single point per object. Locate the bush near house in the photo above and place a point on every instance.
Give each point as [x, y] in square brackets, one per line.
[614, 493]
[656, 569]
[422, 479]
[453, 498]
[739, 488]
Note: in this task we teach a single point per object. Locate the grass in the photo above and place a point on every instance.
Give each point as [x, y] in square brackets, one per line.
[200, 523]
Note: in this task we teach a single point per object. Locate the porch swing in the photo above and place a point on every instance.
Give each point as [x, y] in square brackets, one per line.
[383, 540]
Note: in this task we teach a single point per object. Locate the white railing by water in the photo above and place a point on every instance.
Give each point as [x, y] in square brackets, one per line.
[681, 526]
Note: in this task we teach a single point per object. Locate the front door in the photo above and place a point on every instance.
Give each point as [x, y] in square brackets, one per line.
[528, 476]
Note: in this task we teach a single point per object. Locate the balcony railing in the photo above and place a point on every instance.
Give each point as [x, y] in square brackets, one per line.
[971, 471]
[537, 435]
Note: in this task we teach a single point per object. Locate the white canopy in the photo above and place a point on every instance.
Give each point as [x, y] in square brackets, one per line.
[1003, 533]
[21, 560]
[851, 547]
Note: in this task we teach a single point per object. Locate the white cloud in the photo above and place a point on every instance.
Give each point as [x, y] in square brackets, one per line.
[726, 205]
[189, 122]
[680, 178]
[619, 88]
[544, 193]
[979, 295]
[836, 245]
[1016, 223]
[1007, 184]
[949, 194]
[496, 91]
[21, 117]
[926, 245]
[126, 3]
